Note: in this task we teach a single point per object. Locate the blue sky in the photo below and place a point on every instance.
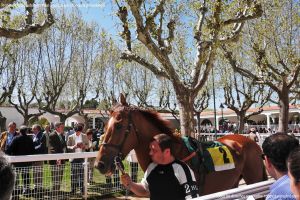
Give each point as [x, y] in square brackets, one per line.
[99, 11]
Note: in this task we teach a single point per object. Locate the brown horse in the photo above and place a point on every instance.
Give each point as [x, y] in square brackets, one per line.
[133, 128]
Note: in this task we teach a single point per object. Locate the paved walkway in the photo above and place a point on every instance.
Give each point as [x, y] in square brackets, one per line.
[131, 197]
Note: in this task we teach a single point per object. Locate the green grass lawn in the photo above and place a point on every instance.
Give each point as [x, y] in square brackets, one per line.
[98, 190]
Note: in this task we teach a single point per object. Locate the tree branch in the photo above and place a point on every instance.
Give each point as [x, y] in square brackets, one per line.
[295, 73]
[244, 72]
[29, 26]
[126, 34]
[5, 3]
[131, 56]
[257, 11]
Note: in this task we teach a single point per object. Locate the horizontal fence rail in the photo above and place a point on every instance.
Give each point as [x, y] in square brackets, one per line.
[46, 157]
[257, 190]
[212, 136]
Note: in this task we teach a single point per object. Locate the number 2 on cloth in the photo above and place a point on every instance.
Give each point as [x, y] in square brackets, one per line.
[226, 160]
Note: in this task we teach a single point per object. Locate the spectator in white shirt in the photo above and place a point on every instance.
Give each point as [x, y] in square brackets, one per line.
[77, 142]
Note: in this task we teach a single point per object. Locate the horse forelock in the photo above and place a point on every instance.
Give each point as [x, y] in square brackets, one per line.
[117, 107]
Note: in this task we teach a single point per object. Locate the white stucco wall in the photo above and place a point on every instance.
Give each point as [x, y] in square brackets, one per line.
[12, 114]
[74, 119]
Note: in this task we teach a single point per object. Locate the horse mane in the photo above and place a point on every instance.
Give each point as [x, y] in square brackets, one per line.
[164, 126]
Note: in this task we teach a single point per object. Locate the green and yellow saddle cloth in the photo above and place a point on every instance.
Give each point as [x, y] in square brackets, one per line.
[214, 155]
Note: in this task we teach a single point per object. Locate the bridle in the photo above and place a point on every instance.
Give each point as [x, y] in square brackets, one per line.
[119, 147]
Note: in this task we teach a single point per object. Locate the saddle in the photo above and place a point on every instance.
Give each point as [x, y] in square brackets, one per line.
[207, 157]
[197, 160]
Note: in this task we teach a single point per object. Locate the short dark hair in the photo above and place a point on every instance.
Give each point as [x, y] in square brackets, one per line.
[7, 178]
[293, 163]
[78, 127]
[164, 142]
[58, 124]
[277, 148]
[23, 129]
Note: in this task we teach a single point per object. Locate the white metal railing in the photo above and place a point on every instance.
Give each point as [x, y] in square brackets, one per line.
[212, 136]
[257, 190]
[63, 190]
[272, 128]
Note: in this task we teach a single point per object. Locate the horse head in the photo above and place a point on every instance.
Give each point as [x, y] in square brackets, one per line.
[119, 138]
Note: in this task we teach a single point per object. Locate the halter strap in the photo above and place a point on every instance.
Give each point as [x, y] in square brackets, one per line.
[119, 147]
[193, 154]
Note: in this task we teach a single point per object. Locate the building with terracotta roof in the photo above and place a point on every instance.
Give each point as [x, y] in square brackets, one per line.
[268, 117]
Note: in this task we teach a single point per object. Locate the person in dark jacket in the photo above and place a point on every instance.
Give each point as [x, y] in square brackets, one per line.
[40, 146]
[57, 144]
[22, 145]
[7, 136]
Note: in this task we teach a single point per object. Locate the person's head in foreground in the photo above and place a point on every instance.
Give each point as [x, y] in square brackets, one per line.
[276, 149]
[293, 163]
[7, 178]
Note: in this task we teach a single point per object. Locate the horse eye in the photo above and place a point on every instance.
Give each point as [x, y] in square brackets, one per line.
[118, 126]
[118, 117]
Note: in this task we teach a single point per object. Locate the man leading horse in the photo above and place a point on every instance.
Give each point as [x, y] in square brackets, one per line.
[166, 177]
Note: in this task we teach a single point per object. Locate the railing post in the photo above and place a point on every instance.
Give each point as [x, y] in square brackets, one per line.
[85, 177]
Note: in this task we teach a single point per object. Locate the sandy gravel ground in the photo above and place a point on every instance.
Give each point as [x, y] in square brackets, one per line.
[131, 197]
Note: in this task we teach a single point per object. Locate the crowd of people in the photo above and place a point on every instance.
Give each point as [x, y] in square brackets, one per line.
[38, 140]
[44, 140]
[281, 155]
[232, 128]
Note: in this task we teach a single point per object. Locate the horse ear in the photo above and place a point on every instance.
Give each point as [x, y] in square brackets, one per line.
[123, 100]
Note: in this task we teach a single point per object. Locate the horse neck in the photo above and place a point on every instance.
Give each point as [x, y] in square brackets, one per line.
[146, 131]
[143, 157]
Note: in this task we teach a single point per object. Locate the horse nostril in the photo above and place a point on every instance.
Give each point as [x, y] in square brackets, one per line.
[101, 167]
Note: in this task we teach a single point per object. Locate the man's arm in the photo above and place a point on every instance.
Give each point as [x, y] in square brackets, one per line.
[3, 137]
[137, 188]
[41, 147]
[11, 149]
